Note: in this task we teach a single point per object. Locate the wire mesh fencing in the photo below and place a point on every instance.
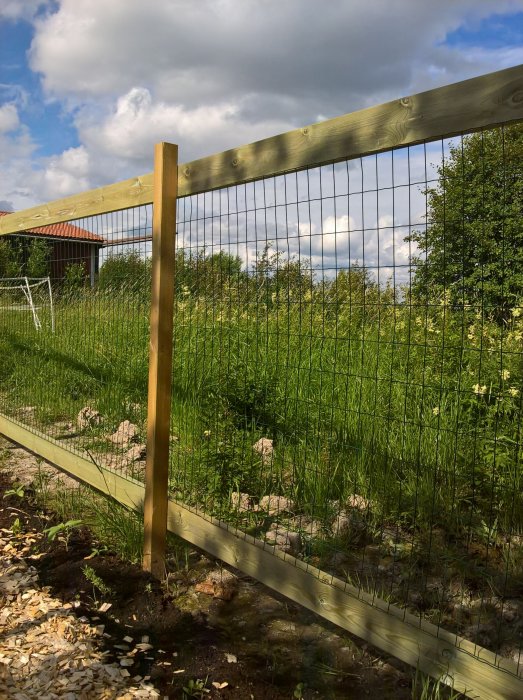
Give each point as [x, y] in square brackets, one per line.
[74, 324]
[347, 368]
[348, 371]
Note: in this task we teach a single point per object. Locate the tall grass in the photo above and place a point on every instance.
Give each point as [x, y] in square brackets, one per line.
[416, 409]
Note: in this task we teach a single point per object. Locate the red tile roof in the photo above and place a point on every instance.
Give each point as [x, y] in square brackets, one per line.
[62, 230]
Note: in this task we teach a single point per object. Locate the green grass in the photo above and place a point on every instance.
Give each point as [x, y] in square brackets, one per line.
[417, 410]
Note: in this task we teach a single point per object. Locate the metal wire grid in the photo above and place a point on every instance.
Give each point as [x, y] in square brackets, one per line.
[86, 383]
[329, 396]
[330, 399]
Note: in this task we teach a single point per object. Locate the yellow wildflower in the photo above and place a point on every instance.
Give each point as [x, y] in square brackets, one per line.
[480, 390]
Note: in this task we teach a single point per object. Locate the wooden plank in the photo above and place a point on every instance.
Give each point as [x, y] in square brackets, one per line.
[466, 106]
[463, 107]
[121, 195]
[470, 669]
[128, 492]
[160, 358]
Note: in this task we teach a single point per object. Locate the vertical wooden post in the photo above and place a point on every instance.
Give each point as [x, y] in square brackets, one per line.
[160, 358]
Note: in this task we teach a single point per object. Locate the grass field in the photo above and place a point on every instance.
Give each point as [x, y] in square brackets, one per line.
[413, 412]
[417, 410]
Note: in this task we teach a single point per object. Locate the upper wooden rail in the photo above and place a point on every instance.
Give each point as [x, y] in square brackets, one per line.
[478, 103]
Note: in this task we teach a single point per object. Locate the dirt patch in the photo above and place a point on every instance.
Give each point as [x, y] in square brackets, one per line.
[256, 645]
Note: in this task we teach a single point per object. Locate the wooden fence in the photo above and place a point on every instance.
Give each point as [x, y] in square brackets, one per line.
[475, 104]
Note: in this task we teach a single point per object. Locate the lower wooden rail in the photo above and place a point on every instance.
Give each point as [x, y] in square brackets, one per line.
[469, 668]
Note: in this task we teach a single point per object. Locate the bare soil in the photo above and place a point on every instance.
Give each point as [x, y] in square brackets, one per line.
[257, 645]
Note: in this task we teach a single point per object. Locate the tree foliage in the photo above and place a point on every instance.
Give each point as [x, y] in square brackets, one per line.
[11, 262]
[472, 248]
[280, 278]
[21, 256]
[39, 255]
[210, 276]
[125, 272]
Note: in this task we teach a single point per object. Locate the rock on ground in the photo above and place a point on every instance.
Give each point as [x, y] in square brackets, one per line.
[88, 418]
[284, 539]
[124, 434]
[265, 448]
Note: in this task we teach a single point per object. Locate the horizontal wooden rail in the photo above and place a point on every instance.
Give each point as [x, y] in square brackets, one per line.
[464, 107]
[128, 492]
[470, 669]
[121, 195]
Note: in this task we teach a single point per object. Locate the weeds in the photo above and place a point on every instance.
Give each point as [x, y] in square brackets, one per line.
[18, 490]
[196, 689]
[62, 531]
[369, 426]
[16, 527]
[425, 688]
[97, 583]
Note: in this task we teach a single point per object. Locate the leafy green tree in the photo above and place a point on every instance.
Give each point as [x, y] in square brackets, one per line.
[75, 279]
[279, 278]
[127, 272]
[38, 258]
[209, 276]
[10, 258]
[472, 249]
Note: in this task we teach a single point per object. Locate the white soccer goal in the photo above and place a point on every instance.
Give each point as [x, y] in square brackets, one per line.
[31, 294]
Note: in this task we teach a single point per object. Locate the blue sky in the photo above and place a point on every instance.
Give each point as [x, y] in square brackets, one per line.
[51, 126]
[494, 32]
[87, 87]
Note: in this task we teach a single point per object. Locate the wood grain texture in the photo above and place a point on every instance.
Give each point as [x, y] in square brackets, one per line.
[478, 103]
[160, 358]
[475, 671]
[128, 492]
[121, 195]
[462, 107]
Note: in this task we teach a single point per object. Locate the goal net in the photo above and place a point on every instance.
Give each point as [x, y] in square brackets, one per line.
[30, 294]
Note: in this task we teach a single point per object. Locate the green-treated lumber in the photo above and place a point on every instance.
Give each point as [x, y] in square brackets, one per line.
[128, 492]
[472, 670]
[470, 105]
[160, 359]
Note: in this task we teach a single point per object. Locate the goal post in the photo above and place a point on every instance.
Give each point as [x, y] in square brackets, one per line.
[30, 294]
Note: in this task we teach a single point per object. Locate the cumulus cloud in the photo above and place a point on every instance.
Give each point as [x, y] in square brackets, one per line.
[295, 60]
[9, 120]
[211, 75]
[21, 9]
[67, 173]
[136, 122]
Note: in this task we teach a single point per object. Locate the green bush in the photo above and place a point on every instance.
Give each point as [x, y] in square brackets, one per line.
[125, 272]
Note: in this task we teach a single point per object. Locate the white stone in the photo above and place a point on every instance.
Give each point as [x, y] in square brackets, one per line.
[265, 448]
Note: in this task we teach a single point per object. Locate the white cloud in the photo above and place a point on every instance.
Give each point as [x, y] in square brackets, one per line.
[21, 9]
[213, 74]
[294, 56]
[67, 173]
[9, 120]
[128, 131]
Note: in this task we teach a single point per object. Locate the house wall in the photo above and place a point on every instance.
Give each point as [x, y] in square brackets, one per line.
[63, 253]
[66, 253]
